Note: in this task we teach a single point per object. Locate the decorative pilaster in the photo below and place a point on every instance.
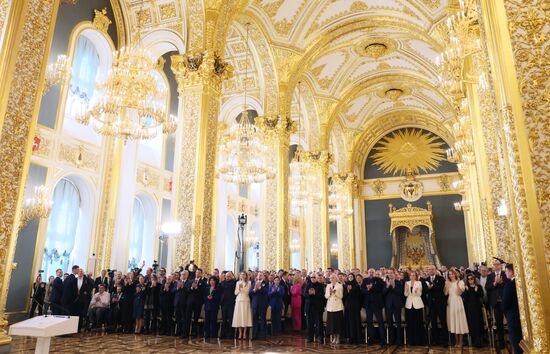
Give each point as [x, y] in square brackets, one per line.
[22, 88]
[276, 242]
[516, 30]
[199, 77]
[346, 232]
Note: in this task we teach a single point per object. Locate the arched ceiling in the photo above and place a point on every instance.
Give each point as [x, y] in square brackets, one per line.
[360, 60]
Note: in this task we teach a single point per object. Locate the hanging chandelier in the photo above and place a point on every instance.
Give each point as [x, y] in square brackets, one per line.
[130, 103]
[299, 179]
[337, 200]
[243, 154]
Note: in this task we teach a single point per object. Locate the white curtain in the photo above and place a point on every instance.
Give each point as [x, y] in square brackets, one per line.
[84, 71]
[136, 236]
[62, 227]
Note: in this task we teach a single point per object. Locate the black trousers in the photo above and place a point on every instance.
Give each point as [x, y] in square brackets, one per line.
[259, 323]
[415, 326]
[377, 312]
[315, 323]
[150, 319]
[499, 321]
[227, 320]
[34, 305]
[438, 312]
[167, 322]
[192, 314]
[393, 315]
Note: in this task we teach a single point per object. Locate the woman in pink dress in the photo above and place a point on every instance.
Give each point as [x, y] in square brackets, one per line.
[296, 303]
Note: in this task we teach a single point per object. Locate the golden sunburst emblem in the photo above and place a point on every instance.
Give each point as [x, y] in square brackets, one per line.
[414, 148]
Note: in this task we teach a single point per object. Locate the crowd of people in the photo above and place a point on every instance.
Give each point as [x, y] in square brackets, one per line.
[440, 305]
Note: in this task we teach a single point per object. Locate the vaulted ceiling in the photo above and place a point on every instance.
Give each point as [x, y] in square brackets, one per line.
[358, 61]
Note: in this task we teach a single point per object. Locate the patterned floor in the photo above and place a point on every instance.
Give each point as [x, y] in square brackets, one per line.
[127, 343]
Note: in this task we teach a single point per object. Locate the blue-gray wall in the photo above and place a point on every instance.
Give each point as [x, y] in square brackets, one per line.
[19, 288]
[333, 229]
[450, 233]
[164, 217]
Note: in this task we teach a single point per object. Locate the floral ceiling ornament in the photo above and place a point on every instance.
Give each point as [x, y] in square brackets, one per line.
[410, 148]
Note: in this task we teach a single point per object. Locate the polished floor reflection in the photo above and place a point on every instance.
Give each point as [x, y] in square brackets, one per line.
[126, 343]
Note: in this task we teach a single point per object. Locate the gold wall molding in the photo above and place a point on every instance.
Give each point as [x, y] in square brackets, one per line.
[19, 117]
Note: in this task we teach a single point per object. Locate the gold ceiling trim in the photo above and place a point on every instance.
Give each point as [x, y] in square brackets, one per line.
[375, 48]
[410, 148]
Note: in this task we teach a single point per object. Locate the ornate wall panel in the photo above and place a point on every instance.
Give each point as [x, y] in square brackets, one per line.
[18, 124]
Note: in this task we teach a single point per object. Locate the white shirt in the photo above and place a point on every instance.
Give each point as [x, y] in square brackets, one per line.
[101, 300]
[482, 282]
[79, 280]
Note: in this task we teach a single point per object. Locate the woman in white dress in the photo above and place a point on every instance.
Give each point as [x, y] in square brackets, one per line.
[456, 315]
[242, 317]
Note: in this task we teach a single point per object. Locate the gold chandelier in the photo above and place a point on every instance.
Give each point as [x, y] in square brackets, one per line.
[38, 206]
[130, 103]
[243, 154]
[338, 200]
[299, 180]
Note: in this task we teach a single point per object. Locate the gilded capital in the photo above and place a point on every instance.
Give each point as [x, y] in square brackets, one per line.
[200, 68]
[276, 127]
[320, 160]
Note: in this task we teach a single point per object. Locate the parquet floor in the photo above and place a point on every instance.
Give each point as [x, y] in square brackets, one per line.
[288, 343]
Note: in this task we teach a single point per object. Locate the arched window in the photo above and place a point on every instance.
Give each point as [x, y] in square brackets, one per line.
[63, 225]
[136, 237]
[84, 72]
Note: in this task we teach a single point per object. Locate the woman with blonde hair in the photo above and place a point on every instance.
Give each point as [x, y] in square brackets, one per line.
[335, 309]
[456, 315]
[242, 317]
[296, 303]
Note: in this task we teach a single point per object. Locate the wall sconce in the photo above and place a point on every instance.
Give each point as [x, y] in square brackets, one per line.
[502, 209]
[462, 205]
[57, 73]
[37, 207]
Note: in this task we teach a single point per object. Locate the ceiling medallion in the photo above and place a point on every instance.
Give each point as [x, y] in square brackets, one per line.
[394, 93]
[375, 47]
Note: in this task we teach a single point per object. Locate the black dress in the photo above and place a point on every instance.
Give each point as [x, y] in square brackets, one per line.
[352, 312]
[473, 299]
[139, 301]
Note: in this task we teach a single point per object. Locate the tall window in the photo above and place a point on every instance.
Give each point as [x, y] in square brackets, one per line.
[82, 85]
[62, 227]
[136, 237]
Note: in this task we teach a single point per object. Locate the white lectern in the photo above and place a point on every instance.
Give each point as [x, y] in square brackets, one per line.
[44, 328]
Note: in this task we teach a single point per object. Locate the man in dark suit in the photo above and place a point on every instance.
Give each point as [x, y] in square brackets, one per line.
[393, 295]
[70, 293]
[180, 302]
[57, 293]
[494, 286]
[437, 306]
[371, 289]
[195, 300]
[260, 301]
[166, 302]
[228, 304]
[511, 309]
[315, 293]
[102, 279]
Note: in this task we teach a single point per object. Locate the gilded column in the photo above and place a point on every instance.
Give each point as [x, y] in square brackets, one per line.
[346, 232]
[276, 242]
[21, 90]
[515, 30]
[199, 77]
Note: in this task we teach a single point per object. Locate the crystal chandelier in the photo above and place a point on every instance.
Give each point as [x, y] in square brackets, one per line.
[299, 179]
[57, 73]
[243, 154]
[337, 200]
[38, 206]
[463, 30]
[130, 103]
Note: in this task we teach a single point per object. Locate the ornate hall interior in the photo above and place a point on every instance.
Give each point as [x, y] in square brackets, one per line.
[272, 135]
